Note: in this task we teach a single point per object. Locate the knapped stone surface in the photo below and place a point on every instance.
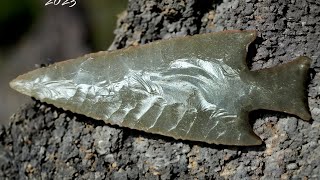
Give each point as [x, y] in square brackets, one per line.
[45, 142]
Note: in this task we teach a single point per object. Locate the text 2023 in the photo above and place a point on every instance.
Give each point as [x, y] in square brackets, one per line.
[71, 3]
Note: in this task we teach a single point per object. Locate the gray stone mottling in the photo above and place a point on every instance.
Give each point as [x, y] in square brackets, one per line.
[45, 142]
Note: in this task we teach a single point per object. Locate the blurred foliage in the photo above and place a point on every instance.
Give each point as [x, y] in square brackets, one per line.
[102, 16]
[16, 17]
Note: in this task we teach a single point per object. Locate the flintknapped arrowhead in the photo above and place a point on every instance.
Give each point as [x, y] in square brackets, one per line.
[195, 88]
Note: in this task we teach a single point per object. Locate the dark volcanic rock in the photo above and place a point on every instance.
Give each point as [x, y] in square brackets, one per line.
[45, 142]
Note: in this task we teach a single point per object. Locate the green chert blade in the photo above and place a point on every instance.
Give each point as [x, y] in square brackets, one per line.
[195, 88]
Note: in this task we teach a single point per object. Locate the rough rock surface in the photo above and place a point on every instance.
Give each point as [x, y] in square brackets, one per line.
[45, 142]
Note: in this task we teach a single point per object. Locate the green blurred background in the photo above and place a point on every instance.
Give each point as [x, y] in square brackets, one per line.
[32, 33]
